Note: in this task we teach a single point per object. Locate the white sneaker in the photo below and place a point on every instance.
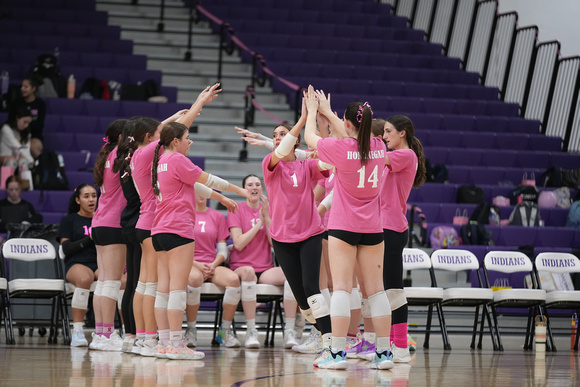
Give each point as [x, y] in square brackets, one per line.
[190, 337]
[149, 348]
[400, 355]
[78, 339]
[97, 342]
[290, 338]
[227, 338]
[137, 346]
[312, 345]
[127, 344]
[113, 343]
[252, 339]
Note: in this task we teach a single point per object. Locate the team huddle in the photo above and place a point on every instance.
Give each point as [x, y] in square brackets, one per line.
[333, 215]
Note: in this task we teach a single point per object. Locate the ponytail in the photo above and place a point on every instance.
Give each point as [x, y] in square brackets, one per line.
[154, 169]
[170, 131]
[361, 116]
[111, 140]
[401, 123]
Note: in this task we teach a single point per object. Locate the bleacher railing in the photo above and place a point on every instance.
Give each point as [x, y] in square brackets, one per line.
[506, 56]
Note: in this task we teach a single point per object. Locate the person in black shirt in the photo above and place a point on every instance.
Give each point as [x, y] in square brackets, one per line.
[37, 108]
[80, 261]
[14, 209]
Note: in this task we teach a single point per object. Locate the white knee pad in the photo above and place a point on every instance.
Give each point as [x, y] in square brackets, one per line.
[355, 299]
[308, 315]
[80, 299]
[288, 295]
[193, 295]
[318, 305]
[249, 291]
[396, 298]
[379, 304]
[140, 288]
[99, 289]
[326, 293]
[151, 289]
[111, 289]
[365, 308]
[232, 295]
[161, 300]
[340, 304]
[120, 298]
[177, 300]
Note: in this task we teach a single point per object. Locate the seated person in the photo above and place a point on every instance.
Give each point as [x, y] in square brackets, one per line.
[80, 261]
[14, 209]
[15, 140]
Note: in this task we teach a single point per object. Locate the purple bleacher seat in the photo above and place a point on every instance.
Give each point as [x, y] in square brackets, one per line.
[59, 142]
[137, 62]
[48, 43]
[516, 235]
[440, 106]
[546, 249]
[96, 59]
[170, 92]
[52, 123]
[555, 236]
[75, 161]
[554, 217]
[84, 124]
[479, 140]
[138, 108]
[468, 108]
[500, 108]
[435, 192]
[448, 210]
[545, 143]
[520, 125]
[33, 197]
[534, 159]
[459, 174]
[52, 217]
[430, 210]
[57, 201]
[406, 105]
[72, 30]
[515, 175]
[199, 161]
[512, 141]
[88, 141]
[499, 158]
[422, 90]
[137, 76]
[487, 175]
[101, 107]
[565, 160]
[462, 156]
[437, 155]
[576, 241]
[76, 178]
[459, 123]
[492, 124]
[106, 32]
[112, 74]
[424, 136]
[23, 56]
[64, 106]
[168, 109]
[443, 138]
[117, 46]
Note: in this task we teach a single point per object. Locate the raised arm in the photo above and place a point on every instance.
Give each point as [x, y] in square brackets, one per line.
[336, 124]
[289, 141]
[311, 103]
[206, 96]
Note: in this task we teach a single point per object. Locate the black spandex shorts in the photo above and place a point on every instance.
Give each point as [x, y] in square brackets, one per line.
[357, 238]
[167, 241]
[142, 234]
[325, 235]
[90, 265]
[104, 236]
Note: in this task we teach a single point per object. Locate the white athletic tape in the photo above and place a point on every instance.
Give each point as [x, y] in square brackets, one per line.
[193, 295]
[217, 183]
[365, 308]
[396, 298]
[318, 305]
[161, 300]
[140, 288]
[355, 299]
[286, 146]
[340, 304]
[379, 304]
[232, 295]
[80, 299]
[248, 291]
[177, 300]
[307, 314]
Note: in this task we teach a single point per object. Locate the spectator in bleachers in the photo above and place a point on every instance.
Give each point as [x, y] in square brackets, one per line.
[251, 256]
[15, 140]
[37, 108]
[74, 235]
[14, 209]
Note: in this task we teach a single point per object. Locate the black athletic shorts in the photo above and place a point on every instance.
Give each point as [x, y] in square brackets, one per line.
[142, 234]
[357, 238]
[104, 236]
[167, 241]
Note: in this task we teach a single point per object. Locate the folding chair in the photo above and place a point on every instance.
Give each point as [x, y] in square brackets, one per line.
[29, 251]
[432, 296]
[531, 299]
[214, 293]
[5, 311]
[560, 263]
[271, 294]
[461, 260]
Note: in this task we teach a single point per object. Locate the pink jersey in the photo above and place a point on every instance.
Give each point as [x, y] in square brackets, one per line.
[397, 184]
[355, 204]
[141, 162]
[175, 212]
[292, 207]
[257, 253]
[328, 184]
[112, 201]
[210, 228]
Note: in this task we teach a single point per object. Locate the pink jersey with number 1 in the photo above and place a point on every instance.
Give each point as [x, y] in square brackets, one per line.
[141, 162]
[112, 201]
[357, 187]
[175, 213]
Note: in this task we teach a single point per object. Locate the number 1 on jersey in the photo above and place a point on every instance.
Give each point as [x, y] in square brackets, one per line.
[294, 179]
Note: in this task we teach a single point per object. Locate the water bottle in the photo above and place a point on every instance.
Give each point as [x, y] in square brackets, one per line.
[70, 87]
[5, 81]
